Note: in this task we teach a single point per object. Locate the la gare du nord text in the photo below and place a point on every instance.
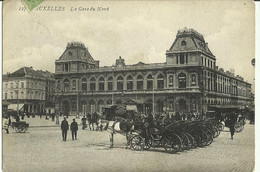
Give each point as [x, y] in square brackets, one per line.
[89, 9]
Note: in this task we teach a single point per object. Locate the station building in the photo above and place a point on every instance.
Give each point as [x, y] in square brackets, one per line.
[188, 81]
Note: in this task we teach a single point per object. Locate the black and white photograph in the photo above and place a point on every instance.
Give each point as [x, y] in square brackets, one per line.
[128, 86]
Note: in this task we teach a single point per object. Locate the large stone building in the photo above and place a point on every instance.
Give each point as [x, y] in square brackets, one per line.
[29, 90]
[189, 80]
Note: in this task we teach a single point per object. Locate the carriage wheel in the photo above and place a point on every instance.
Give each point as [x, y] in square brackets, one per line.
[147, 144]
[17, 129]
[185, 142]
[173, 144]
[191, 140]
[137, 143]
[22, 129]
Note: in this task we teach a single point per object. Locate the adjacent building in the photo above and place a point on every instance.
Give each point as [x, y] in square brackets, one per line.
[189, 80]
[29, 90]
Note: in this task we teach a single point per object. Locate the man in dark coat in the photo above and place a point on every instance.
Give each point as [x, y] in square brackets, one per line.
[74, 129]
[64, 128]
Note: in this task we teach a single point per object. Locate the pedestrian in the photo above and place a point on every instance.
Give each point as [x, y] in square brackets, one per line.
[64, 128]
[74, 129]
[57, 119]
[6, 124]
[84, 122]
[52, 116]
[232, 118]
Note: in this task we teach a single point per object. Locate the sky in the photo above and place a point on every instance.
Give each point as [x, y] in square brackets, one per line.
[137, 31]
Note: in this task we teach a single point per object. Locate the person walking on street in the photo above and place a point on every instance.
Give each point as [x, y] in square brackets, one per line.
[84, 122]
[74, 129]
[57, 119]
[232, 120]
[6, 124]
[64, 128]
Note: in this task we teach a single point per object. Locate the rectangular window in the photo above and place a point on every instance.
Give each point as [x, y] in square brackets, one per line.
[149, 84]
[202, 60]
[205, 62]
[74, 106]
[101, 86]
[182, 59]
[12, 96]
[208, 63]
[129, 85]
[12, 85]
[92, 86]
[140, 85]
[186, 59]
[17, 85]
[110, 86]
[6, 85]
[74, 85]
[5, 96]
[211, 64]
[22, 85]
[120, 86]
[177, 59]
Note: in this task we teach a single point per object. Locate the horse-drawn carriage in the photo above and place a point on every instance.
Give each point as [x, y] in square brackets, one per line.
[20, 127]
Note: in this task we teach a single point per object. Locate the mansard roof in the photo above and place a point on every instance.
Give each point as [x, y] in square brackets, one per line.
[190, 40]
[22, 72]
[76, 51]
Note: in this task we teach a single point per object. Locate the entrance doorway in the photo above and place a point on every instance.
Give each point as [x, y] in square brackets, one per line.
[66, 108]
[182, 105]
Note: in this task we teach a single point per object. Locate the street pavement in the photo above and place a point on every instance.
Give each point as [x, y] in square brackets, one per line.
[41, 149]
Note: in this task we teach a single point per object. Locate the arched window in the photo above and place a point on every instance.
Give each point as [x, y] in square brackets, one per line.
[160, 104]
[92, 84]
[66, 84]
[101, 84]
[74, 83]
[120, 83]
[100, 105]
[84, 84]
[160, 81]
[58, 85]
[110, 83]
[129, 82]
[149, 82]
[140, 82]
[171, 81]
[92, 107]
[193, 79]
[182, 80]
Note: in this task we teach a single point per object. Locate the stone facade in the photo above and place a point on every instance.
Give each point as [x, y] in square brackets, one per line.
[32, 89]
[188, 81]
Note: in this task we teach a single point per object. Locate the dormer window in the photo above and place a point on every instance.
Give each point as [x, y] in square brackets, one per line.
[70, 53]
[183, 43]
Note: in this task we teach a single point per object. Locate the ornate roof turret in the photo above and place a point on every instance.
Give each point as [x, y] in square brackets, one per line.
[190, 40]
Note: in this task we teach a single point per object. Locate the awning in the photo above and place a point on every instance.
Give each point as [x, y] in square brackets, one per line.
[14, 106]
[131, 107]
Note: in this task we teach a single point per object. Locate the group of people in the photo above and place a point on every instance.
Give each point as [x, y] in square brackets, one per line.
[93, 120]
[65, 128]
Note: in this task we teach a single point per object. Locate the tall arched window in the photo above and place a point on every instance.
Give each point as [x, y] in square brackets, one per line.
[160, 81]
[58, 85]
[129, 82]
[120, 83]
[171, 81]
[101, 84]
[84, 84]
[182, 80]
[193, 79]
[92, 84]
[74, 83]
[66, 84]
[110, 83]
[140, 82]
[149, 82]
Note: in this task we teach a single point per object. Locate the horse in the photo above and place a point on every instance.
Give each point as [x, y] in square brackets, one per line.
[121, 126]
[92, 119]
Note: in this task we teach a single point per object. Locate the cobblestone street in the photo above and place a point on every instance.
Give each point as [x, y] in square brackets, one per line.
[41, 149]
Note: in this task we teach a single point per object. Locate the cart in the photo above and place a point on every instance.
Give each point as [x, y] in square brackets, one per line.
[20, 127]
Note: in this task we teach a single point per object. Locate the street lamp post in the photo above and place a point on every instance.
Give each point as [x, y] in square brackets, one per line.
[17, 92]
[153, 94]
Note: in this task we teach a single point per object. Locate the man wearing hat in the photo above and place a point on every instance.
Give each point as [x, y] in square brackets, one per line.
[74, 129]
[64, 128]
